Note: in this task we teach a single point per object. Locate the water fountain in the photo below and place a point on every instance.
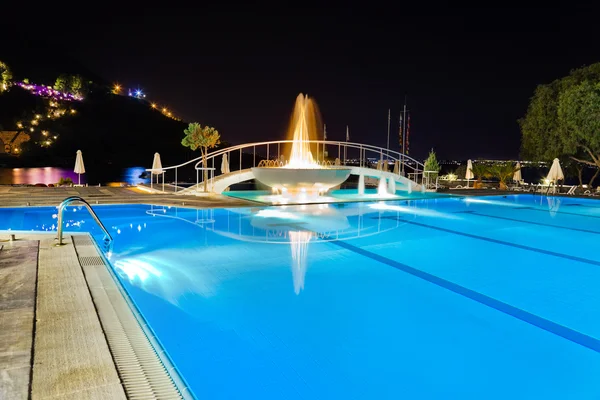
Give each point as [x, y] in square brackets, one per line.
[302, 175]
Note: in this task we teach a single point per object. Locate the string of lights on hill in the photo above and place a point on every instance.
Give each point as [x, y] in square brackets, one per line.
[139, 94]
[60, 103]
[57, 107]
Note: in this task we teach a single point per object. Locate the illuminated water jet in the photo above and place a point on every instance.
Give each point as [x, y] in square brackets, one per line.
[302, 176]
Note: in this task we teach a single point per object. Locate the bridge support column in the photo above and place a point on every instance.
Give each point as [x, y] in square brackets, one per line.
[361, 184]
[391, 186]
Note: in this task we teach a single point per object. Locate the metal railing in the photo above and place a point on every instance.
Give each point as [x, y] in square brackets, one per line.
[272, 150]
[61, 209]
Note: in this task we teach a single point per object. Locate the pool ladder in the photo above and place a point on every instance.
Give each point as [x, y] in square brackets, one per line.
[61, 209]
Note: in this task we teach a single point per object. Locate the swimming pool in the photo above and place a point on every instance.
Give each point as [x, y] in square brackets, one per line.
[470, 298]
[266, 197]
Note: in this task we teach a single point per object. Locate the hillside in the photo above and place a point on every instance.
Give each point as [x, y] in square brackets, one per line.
[110, 129]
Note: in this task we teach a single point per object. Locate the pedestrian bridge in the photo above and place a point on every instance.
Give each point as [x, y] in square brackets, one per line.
[400, 171]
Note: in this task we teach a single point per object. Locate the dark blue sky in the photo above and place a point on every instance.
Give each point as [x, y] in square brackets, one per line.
[468, 73]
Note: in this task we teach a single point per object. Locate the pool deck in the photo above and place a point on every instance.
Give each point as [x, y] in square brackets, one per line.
[20, 196]
[66, 331]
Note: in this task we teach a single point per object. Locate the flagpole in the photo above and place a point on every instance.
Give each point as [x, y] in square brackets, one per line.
[388, 134]
[404, 130]
[324, 139]
[347, 139]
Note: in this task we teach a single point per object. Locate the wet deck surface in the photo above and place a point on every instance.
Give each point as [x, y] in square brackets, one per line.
[18, 196]
[18, 273]
[51, 342]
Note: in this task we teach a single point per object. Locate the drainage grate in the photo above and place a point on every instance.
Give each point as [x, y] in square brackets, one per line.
[143, 374]
[82, 240]
[91, 261]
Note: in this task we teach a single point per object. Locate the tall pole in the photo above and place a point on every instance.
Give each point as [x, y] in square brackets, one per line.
[404, 131]
[388, 133]
[347, 140]
[404, 137]
[324, 138]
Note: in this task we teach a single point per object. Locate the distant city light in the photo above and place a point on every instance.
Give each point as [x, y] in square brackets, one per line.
[153, 105]
[117, 89]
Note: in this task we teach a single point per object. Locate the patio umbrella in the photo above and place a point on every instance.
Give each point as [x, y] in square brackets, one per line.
[397, 167]
[517, 175]
[469, 175]
[225, 165]
[79, 167]
[157, 169]
[555, 173]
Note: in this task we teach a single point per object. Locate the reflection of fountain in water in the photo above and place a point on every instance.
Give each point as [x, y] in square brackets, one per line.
[299, 243]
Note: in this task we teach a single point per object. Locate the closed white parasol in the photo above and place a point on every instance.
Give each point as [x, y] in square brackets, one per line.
[517, 175]
[555, 174]
[79, 167]
[157, 169]
[225, 165]
[469, 174]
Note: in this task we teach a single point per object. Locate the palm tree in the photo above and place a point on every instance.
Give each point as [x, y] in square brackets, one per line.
[204, 138]
[479, 171]
[502, 172]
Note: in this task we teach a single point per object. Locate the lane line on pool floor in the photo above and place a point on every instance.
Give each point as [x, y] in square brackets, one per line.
[527, 222]
[525, 316]
[557, 212]
[501, 242]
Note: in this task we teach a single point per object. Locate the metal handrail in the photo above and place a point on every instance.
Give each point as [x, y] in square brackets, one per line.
[61, 209]
[199, 162]
[400, 156]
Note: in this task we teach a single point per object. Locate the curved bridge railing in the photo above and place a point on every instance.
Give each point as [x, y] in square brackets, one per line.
[269, 154]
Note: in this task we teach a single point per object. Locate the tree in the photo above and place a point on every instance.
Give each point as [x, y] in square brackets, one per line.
[203, 138]
[63, 83]
[479, 171]
[5, 77]
[503, 172]
[78, 86]
[563, 119]
[431, 168]
[74, 84]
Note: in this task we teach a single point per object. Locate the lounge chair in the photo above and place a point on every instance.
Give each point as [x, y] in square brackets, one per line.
[572, 190]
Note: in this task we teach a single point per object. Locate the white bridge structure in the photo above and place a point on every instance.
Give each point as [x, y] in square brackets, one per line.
[397, 171]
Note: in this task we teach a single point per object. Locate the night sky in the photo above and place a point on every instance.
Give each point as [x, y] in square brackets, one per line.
[467, 73]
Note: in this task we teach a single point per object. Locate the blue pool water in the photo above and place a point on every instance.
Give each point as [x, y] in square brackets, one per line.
[449, 298]
[333, 196]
